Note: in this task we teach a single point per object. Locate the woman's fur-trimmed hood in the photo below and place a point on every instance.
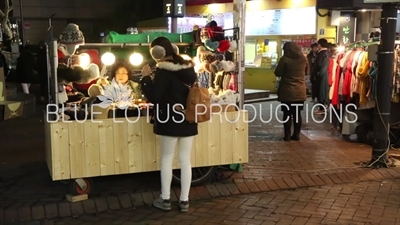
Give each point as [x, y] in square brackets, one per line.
[170, 66]
[185, 73]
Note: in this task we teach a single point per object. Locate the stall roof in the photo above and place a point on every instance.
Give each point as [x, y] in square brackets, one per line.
[122, 45]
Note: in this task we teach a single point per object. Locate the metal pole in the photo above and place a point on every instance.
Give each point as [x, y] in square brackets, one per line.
[239, 16]
[174, 25]
[21, 15]
[381, 120]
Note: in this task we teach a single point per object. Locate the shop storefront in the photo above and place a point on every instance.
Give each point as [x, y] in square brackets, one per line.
[269, 24]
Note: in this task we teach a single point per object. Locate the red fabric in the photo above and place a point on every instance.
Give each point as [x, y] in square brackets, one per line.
[94, 56]
[335, 97]
[233, 83]
[84, 87]
[60, 54]
[215, 33]
[347, 77]
[330, 68]
[224, 45]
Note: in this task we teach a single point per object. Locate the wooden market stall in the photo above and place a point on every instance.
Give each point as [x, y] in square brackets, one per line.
[106, 147]
[77, 150]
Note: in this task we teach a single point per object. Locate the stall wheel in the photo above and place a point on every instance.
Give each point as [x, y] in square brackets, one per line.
[81, 186]
[199, 175]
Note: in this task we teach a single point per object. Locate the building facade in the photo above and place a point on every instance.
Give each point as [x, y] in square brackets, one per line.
[85, 13]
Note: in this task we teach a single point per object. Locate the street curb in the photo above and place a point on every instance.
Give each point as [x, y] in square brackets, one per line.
[131, 200]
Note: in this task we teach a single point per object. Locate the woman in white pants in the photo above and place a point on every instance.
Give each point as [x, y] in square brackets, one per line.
[168, 91]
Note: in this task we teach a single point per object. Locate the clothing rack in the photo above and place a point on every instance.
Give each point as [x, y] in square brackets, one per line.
[361, 44]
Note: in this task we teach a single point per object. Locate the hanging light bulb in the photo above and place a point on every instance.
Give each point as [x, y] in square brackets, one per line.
[136, 59]
[108, 58]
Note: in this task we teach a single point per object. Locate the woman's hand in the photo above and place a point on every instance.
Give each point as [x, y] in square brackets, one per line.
[146, 70]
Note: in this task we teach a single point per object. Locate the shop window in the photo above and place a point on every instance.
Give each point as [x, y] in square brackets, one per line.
[261, 52]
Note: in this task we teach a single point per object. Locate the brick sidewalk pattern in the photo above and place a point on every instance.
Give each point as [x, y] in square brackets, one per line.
[274, 165]
[360, 203]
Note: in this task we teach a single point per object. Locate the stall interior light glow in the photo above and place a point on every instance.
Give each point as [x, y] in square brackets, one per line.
[84, 60]
[213, 8]
[108, 58]
[341, 49]
[186, 57]
[136, 59]
[363, 10]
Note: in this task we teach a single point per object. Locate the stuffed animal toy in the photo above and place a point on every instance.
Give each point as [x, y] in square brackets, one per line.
[70, 39]
[226, 66]
[215, 32]
[206, 58]
[77, 74]
[226, 97]
[69, 71]
[94, 61]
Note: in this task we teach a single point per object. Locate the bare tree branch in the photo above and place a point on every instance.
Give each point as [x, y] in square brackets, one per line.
[4, 18]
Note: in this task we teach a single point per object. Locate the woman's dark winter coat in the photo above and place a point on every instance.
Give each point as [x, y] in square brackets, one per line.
[320, 72]
[25, 68]
[292, 69]
[168, 88]
[310, 58]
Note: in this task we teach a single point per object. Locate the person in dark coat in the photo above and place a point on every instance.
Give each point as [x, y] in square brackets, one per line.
[41, 67]
[168, 91]
[292, 69]
[311, 57]
[320, 73]
[25, 69]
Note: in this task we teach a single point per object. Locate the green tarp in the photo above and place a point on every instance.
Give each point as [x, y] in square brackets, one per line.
[114, 37]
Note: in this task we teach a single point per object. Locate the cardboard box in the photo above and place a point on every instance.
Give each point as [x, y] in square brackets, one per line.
[76, 198]
[11, 110]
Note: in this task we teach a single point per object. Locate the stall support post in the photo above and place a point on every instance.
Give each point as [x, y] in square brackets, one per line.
[381, 120]
[174, 25]
[239, 14]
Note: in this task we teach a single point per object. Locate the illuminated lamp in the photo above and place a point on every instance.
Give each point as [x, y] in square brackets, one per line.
[136, 59]
[84, 60]
[108, 58]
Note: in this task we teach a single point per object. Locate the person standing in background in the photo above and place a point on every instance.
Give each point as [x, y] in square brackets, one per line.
[25, 69]
[311, 58]
[320, 74]
[292, 69]
[41, 67]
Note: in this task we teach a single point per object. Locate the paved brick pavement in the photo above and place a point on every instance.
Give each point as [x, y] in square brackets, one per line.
[362, 203]
[274, 165]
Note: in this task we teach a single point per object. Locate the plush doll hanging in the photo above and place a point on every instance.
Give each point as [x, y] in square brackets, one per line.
[70, 70]
[206, 58]
[215, 32]
[213, 38]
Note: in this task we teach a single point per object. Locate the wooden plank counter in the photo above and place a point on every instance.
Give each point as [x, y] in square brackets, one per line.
[91, 149]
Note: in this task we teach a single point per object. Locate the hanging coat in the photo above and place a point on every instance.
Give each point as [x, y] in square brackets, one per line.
[324, 86]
